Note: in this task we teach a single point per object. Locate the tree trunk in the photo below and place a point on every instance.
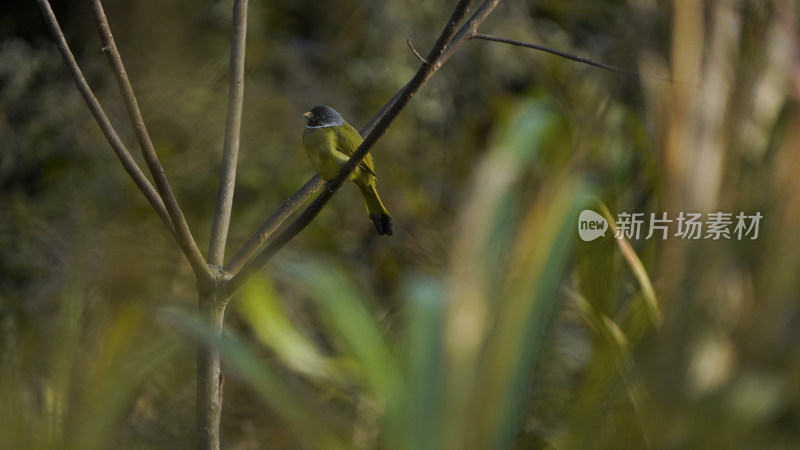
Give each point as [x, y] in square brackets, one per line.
[209, 377]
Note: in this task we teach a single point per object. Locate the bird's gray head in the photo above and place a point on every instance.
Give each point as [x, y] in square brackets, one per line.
[323, 116]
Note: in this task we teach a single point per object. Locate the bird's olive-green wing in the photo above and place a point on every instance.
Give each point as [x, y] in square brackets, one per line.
[347, 141]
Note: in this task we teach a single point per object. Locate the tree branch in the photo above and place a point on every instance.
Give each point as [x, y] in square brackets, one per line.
[272, 224]
[230, 150]
[489, 37]
[182, 233]
[416, 53]
[463, 35]
[128, 163]
[398, 102]
[382, 112]
[470, 28]
[209, 371]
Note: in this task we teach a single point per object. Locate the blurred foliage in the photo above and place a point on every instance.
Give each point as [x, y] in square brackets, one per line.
[483, 322]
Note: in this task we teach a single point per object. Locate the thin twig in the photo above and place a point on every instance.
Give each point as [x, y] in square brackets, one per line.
[419, 57]
[230, 149]
[272, 224]
[423, 74]
[182, 233]
[128, 163]
[489, 37]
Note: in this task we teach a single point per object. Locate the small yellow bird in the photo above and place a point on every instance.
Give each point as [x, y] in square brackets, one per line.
[329, 142]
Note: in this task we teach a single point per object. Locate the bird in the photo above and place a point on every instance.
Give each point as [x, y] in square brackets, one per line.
[329, 142]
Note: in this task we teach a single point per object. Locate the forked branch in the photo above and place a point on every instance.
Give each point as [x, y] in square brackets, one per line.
[272, 223]
[128, 163]
[182, 233]
[440, 52]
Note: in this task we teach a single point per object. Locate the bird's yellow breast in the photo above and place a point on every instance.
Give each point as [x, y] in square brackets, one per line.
[320, 145]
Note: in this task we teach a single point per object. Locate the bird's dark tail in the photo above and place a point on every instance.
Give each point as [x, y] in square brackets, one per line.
[378, 214]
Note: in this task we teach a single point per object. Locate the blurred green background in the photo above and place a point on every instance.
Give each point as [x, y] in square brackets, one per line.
[484, 322]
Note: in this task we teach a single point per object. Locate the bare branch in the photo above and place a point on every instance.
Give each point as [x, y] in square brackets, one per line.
[182, 233]
[447, 34]
[464, 34]
[382, 112]
[470, 28]
[230, 149]
[416, 53]
[424, 73]
[489, 37]
[128, 163]
[272, 224]
[209, 371]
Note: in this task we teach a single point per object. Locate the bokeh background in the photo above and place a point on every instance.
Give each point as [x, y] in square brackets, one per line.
[484, 322]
